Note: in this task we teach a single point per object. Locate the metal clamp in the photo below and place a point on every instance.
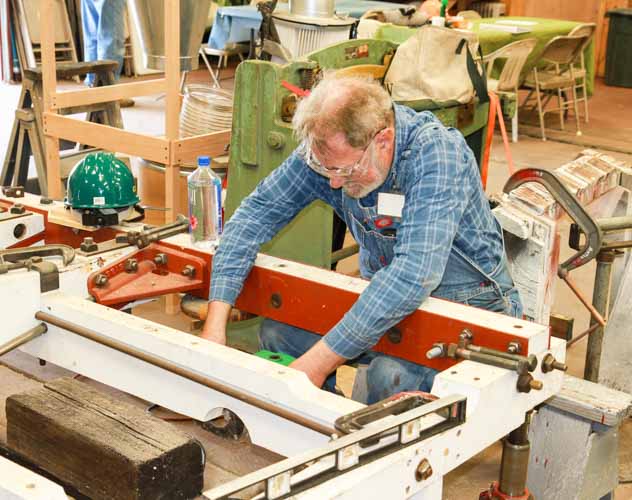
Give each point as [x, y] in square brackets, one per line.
[573, 208]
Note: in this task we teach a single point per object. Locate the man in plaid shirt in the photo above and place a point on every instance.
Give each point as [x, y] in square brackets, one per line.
[357, 149]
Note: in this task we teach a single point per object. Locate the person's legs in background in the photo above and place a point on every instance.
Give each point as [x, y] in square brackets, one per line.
[103, 24]
[111, 32]
[90, 26]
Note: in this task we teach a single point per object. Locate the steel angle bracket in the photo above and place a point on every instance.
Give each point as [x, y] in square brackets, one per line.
[573, 208]
[349, 452]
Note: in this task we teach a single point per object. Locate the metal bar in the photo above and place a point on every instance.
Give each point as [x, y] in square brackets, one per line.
[615, 223]
[582, 335]
[23, 339]
[515, 461]
[601, 297]
[343, 253]
[616, 245]
[531, 360]
[595, 314]
[188, 374]
[487, 359]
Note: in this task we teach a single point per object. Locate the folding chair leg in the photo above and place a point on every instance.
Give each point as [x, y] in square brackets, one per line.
[561, 107]
[585, 91]
[578, 132]
[540, 113]
[210, 68]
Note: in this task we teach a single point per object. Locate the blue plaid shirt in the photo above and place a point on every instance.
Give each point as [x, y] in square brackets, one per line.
[444, 244]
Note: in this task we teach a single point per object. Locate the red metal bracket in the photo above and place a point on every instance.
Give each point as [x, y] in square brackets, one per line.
[153, 271]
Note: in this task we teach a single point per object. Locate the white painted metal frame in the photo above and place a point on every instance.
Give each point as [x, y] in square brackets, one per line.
[487, 388]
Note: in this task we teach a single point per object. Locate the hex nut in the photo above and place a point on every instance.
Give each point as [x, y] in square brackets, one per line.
[423, 471]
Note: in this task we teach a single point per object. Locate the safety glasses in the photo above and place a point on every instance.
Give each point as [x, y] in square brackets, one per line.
[305, 151]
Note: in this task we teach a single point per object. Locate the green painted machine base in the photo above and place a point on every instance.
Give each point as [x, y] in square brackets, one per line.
[276, 357]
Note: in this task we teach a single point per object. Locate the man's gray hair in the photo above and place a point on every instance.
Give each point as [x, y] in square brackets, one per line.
[357, 107]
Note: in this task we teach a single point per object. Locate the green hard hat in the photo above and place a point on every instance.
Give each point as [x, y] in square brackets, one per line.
[100, 180]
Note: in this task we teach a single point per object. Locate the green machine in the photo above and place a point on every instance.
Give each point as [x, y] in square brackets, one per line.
[262, 135]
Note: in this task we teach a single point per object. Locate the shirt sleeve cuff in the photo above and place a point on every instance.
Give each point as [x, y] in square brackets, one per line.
[344, 343]
[225, 289]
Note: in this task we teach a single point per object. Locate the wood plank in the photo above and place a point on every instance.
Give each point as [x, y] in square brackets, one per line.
[103, 447]
[592, 401]
[73, 98]
[188, 149]
[172, 124]
[108, 138]
[49, 86]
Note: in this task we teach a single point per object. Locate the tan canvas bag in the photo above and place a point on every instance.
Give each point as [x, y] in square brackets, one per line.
[436, 64]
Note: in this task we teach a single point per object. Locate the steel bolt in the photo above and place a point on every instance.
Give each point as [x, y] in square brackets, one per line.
[549, 363]
[188, 270]
[131, 265]
[275, 140]
[437, 351]
[466, 335]
[100, 280]
[536, 385]
[423, 471]
[526, 382]
[160, 259]
[513, 348]
[88, 244]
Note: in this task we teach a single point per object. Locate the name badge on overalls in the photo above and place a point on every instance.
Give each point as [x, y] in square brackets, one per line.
[390, 204]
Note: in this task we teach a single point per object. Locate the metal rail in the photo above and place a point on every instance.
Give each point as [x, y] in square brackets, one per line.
[188, 374]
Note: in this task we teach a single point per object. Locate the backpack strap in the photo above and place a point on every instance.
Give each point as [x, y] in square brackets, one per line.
[479, 83]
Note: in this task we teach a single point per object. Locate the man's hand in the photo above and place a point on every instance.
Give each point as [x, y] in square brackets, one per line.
[216, 320]
[318, 363]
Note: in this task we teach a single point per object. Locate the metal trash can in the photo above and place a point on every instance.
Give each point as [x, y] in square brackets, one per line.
[619, 51]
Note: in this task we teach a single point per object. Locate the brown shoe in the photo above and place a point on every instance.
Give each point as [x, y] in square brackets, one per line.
[126, 103]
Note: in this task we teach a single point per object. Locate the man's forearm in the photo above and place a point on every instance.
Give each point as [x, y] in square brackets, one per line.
[216, 320]
[318, 363]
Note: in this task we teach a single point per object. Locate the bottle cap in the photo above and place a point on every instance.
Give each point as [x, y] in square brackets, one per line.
[204, 161]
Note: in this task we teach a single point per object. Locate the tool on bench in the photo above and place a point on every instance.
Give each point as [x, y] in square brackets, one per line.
[31, 259]
[572, 206]
[14, 255]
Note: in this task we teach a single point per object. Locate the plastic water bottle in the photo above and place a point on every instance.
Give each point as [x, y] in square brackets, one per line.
[205, 204]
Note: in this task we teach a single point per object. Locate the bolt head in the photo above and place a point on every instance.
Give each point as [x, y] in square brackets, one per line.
[423, 471]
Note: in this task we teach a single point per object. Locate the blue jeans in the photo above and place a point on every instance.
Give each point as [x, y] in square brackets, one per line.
[103, 32]
[386, 375]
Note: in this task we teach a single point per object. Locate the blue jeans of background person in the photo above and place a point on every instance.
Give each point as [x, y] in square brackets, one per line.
[387, 375]
[103, 32]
